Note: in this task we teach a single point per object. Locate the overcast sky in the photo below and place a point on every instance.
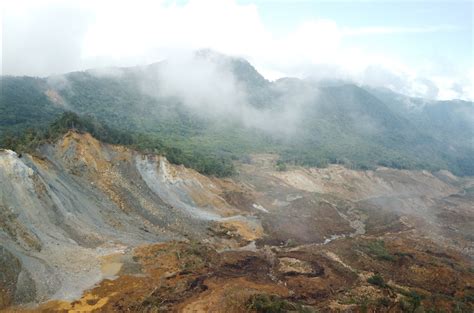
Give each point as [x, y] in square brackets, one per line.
[420, 48]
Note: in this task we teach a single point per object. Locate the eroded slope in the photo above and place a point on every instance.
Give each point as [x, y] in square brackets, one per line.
[79, 200]
[166, 238]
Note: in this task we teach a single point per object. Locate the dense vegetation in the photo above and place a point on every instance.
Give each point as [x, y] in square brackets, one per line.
[345, 124]
[23, 104]
[31, 138]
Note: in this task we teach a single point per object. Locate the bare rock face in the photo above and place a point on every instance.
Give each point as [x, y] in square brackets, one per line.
[80, 211]
[79, 200]
[11, 268]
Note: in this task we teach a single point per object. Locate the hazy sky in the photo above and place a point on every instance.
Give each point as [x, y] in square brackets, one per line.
[421, 48]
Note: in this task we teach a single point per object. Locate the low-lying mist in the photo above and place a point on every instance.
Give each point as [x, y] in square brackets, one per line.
[209, 86]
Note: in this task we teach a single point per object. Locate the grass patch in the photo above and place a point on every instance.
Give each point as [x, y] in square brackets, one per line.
[377, 250]
[263, 303]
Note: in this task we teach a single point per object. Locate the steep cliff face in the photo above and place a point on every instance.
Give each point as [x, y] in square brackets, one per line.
[79, 211]
[79, 200]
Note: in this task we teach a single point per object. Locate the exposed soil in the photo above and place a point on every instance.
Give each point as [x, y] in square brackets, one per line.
[134, 233]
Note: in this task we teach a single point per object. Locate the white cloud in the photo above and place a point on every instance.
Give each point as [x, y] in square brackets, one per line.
[381, 30]
[44, 37]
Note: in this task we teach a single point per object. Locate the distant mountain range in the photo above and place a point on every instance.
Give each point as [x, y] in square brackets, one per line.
[221, 106]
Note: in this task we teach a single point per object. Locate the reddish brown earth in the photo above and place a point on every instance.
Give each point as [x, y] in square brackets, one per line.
[303, 240]
[192, 277]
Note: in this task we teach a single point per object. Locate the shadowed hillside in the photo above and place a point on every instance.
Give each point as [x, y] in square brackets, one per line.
[216, 105]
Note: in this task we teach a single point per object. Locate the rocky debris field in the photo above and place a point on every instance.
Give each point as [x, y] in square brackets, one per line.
[90, 227]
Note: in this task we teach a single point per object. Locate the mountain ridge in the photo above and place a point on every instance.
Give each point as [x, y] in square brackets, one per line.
[240, 114]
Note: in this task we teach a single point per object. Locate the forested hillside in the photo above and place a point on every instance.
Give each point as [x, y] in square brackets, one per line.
[305, 122]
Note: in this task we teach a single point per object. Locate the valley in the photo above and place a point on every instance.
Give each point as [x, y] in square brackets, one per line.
[95, 227]
[236, 156]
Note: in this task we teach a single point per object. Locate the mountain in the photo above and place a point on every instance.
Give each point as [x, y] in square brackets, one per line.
[95, 227]
[448, 121]
[221, 106]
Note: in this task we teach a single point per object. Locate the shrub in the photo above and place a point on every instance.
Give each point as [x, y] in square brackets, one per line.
[384, 302]
[376, 280]
[267, 303]
[412, 301]
[281, 166]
